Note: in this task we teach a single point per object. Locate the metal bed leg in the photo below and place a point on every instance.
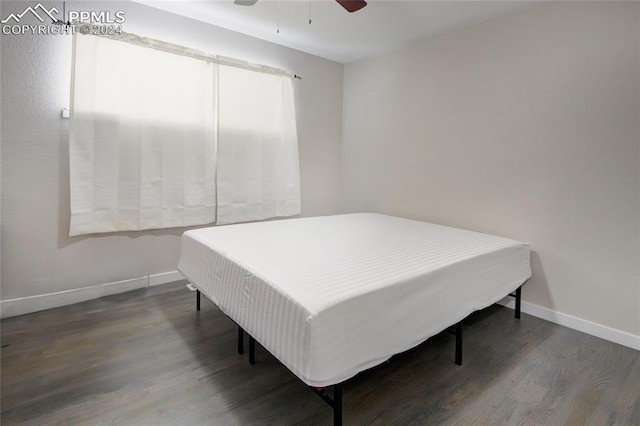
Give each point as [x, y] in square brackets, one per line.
[334, 401]
[198, 299]
[337, 404]
[252, 350]
[240, 340]
[518, 301]
[459, 343]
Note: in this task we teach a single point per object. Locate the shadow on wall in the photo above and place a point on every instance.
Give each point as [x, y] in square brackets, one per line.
[538, 283]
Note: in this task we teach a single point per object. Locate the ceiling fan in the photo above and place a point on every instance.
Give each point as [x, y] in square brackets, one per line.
[349, 5]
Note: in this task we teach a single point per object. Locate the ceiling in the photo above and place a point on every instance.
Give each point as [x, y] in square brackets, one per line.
[340, 36]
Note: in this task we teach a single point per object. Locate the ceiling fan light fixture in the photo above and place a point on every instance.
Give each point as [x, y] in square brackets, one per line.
[352, 5]
[349, 5]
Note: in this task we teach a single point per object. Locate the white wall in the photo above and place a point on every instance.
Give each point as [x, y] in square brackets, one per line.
[38, 257]
[526, 127]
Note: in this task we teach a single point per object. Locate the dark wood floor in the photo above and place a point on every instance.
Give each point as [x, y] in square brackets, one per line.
[148, 357]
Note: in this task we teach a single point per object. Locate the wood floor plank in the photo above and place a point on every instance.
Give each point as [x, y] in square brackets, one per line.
[148, 357]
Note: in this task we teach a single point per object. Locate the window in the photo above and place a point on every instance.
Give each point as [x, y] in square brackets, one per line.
[159, 139]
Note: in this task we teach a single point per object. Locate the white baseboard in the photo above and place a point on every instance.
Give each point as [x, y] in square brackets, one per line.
[165, 278]
[25, 305]
[601, 331]
[40, 302]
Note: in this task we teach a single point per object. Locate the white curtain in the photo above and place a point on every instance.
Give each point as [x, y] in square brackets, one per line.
[165, 136]
[258, 173]
[142, 138]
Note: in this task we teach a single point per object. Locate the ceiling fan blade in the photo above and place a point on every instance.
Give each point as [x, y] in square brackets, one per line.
[245, 2]
[351, 5]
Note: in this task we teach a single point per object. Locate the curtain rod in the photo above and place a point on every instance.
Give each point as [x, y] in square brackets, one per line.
[194, 53]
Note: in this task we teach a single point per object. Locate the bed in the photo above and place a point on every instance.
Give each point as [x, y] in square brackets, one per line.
[332, 296]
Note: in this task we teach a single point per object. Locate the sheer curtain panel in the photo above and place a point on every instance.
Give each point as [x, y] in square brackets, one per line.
[142, 143]
[258, 174]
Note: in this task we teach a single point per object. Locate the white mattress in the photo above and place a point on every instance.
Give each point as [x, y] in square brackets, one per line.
[332, 296]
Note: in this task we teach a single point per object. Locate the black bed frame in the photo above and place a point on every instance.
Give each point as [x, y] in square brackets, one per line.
[335, 399]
